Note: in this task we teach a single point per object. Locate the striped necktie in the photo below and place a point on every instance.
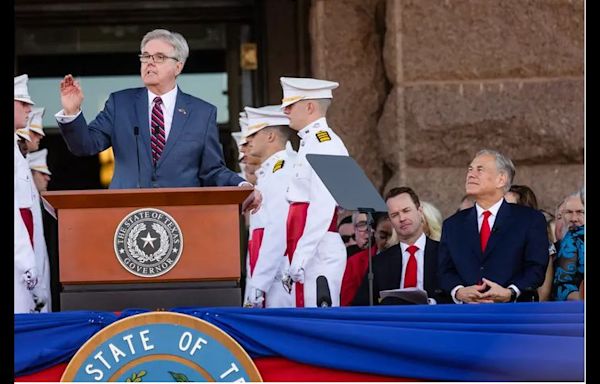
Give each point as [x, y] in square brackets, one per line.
[157, 123]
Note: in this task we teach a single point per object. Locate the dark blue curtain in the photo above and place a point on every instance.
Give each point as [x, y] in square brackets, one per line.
[500, 342]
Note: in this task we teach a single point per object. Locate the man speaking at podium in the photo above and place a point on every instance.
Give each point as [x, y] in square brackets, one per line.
[161, 137]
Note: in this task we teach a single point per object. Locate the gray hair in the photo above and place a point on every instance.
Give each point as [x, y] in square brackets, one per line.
[580, 194]
[503, 164]
[355, 215]
[175, 39]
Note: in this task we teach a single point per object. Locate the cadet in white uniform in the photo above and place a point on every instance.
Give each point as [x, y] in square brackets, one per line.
[268, 133]
[37, 162]
[314, 246]
[25, 269]
[242, 143]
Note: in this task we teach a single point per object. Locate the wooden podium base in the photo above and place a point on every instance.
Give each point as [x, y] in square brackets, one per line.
[152, 296]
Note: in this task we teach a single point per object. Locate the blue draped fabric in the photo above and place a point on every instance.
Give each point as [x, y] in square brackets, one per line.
[500, 342]
[46, 339]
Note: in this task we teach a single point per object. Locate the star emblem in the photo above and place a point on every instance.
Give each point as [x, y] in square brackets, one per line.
[121, 250]
[147, 240]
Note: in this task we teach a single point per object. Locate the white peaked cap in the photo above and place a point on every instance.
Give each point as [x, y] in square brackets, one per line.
[303, 88]
[267, 116]
[23, 133]
[243, 122]
[240, 137]
[237, 136]
[34, 122]
[21, 91]
[37, 161]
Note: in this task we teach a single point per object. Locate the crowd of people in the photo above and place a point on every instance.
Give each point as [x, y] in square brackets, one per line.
[303, 250]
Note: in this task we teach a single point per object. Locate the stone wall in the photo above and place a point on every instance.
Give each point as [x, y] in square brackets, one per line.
[347, 44]
[425, 84]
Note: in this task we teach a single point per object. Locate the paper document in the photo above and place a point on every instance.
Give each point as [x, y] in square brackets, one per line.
[412, 295]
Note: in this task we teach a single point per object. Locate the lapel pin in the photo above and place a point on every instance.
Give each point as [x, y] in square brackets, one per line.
[182, 111]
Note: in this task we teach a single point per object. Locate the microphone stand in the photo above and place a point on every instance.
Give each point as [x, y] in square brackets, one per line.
[136, 132]
[368, 212]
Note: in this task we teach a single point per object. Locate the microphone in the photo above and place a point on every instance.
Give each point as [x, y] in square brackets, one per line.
[136, 133]
[323, 293]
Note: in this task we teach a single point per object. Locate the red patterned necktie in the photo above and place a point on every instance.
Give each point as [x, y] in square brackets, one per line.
[410, 277]
[484, 234]
[157, 123]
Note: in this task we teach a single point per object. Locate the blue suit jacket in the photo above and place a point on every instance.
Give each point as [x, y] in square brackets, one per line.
[516, 253]
[192, 156]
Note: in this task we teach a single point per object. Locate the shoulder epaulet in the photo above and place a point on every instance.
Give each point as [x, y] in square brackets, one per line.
[323, 136]
[278, 165]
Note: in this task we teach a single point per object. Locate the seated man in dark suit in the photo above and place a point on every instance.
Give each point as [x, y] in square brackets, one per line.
[494, 252]
[410, 263]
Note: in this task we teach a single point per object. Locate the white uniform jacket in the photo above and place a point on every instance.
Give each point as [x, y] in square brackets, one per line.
[24, 255]
[318, 252]
[273, 177]
[40, 249]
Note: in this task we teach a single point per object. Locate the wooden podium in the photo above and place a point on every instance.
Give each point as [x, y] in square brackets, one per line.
[98, 228]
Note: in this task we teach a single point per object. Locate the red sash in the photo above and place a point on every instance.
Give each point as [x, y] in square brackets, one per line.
[28, 220]
[296, 221]
[254, 247]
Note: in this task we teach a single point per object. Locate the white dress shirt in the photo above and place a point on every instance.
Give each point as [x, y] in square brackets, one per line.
[168, 108]
[492, 218]
[420, 255]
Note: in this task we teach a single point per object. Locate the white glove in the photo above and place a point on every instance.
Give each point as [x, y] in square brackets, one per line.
[296, 273]
[30, 278]
[255, 298]
[40, 297]
[278, 275]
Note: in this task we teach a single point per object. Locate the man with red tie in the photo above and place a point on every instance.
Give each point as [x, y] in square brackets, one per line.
[412, 263]
[495, 251]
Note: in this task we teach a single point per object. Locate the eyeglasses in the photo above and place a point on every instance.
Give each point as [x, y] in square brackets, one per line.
[361, 225]
[570, 213]
[156, 58]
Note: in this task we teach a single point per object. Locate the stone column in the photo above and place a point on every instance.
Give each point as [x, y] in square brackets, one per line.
[346, 46]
